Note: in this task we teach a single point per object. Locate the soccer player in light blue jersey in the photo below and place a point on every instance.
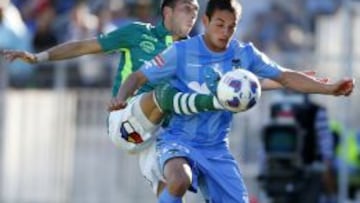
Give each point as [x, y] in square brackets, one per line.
[193, 150]
[137, 43]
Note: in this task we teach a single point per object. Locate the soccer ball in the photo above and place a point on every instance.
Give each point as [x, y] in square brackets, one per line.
[238, 90]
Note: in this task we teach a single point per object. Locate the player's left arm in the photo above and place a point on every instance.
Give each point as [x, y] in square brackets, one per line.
[267, 84]
[295, 80]
[302, 83]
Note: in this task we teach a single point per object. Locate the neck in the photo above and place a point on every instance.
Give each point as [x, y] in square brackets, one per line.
[169, 28]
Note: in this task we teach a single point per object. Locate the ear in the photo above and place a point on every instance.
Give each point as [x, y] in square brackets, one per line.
[167, 11]
[205, 20]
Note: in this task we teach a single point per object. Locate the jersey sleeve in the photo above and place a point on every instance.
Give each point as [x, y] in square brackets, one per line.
[163, 66]
[262, 65]
[119, 38]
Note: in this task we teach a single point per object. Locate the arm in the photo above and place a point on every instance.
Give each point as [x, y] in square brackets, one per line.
[149, 71]
[267, 84]
[302, 83]
[127, 89]
[63, 51]
[266, 68]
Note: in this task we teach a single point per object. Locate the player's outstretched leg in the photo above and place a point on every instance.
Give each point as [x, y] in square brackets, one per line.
[169, 99]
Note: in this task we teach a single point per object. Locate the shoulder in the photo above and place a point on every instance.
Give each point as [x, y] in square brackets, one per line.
[192, 41]
[137, 26]
[242, 45]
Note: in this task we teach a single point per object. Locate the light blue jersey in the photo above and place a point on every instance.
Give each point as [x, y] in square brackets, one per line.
[185, 63]
[202, 139]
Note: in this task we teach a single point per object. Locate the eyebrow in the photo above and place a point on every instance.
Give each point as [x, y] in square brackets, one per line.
[219, 19]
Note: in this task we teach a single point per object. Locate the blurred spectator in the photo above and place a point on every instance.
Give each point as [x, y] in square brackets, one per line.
[120, 13]
[316, 8]
[44, 38]
[104, 16]
[83, 24]
[15, 35]
[349, 155]
[64, 6]
[143, 10]
[277, 30]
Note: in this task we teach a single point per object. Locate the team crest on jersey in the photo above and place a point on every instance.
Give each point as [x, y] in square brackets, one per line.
[236, 63]
[147, 46]
[159, 61]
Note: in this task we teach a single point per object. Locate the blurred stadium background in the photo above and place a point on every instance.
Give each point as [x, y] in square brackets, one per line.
[53, 142]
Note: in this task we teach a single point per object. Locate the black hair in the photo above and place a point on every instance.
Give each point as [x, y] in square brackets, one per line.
[228, 5]
[166, 3]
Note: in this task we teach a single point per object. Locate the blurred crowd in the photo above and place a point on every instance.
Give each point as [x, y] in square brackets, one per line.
[286, 26]
[36, 25]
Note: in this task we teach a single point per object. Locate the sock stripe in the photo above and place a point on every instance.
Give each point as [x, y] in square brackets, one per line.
[176, 103]
[183, 104]
[191, 103]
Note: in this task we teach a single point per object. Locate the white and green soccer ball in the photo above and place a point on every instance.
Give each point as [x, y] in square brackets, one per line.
[238, 90]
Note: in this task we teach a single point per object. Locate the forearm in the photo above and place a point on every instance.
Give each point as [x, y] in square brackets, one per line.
[302, 83]
[73, 49]
[267, 84]
[130, 85]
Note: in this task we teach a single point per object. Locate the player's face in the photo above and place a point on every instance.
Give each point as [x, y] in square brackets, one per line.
[219, 29]
[182, 17]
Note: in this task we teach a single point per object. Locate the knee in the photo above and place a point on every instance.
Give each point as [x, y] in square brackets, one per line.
[178, 178]
[178, 184]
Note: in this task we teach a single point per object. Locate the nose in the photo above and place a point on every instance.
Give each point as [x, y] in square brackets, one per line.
[226, 32]
[194, 14]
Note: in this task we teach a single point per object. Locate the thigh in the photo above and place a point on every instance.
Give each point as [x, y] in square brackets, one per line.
[222, 182]
[175, 159]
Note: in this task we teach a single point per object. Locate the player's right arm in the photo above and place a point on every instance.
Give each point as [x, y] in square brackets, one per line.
[162, 66]
[109, 42]
[133, 82]
[66, 50]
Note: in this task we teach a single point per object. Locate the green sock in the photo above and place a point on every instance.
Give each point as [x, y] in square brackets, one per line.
[171, 100]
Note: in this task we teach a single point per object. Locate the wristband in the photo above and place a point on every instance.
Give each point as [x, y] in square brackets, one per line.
[42, 56]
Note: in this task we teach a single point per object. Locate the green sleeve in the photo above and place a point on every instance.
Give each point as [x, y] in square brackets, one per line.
[119, 38]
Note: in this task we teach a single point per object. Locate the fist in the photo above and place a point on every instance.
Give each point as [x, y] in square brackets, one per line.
[116, 104]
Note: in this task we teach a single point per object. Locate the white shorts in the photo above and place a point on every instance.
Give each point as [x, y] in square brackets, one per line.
[150, 167]
[130, 130]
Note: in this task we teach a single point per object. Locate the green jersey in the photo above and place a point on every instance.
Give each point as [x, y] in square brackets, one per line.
[137, 43]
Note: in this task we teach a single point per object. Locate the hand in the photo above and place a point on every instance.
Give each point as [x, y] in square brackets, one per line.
[344, 87]
[12, 55]
[116, 104]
